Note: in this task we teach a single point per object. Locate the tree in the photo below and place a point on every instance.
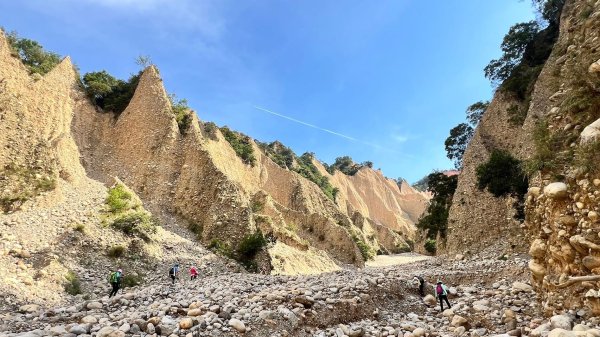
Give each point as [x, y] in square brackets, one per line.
[475, 111]
[513, 46]
[367, 163]
[98, 85]
[143, 61]
[435, 219]
[457, 142]
[32, 54]
[550, 10]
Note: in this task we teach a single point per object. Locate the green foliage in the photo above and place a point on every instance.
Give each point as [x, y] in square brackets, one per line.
[221, 248]
[182, 112]
[430, 246]
[292, 226]
[143, 61]
[587, 157]
[118, 199]
[550, 10]
[32, 54]
[422, 184]
[73, 284]
[116, 251]
[211, 129]
[435, 219]
[79, 228]
[131, 280]
[513, 47]
[108, 92]
[241, 144]
[308, 170]
[475, 111]
[516, 115]
[347, 166]
[196, 228]
[502, 175]
[367, 252]
[457, 142]
[279, 154]
[257, 206]
[250, 245]
[138, 223]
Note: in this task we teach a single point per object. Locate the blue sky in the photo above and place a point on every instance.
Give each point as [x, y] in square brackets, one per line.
[394, 76]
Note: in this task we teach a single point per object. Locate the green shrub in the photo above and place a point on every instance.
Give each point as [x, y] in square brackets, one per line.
[73, 284]
[118, 199]
[308, 170]
[257, 206]
[108, 92]
[587, 157]
[139, 223]
[182, 112]
[79, 228]
[516, 115]
[502, 175]
[291, 226]
[32, 54]
[211, 129]
[279, 153]
[250, 245]
[347, 166]
[430, 246]
[116, 251]
[366, 251]
[221, 248]
[131, 280]
[196, 228]
[241, 144]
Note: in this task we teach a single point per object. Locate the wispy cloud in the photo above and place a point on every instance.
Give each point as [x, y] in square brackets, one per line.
[400, 138]
[341, 135]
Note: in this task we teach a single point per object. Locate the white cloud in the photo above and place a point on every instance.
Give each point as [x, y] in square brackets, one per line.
[400, 138]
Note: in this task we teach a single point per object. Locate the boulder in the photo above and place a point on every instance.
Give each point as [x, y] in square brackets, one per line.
[186, 323]
[458, 321]
[194, 312]
[556, 190]
[29, 308]
[561, 333]
[79, 329]
[430, 300]
[561, 322]
[237, 325]
[521, 287]
[94, 305]
[419, 332]
[89, 319]
[591, 262]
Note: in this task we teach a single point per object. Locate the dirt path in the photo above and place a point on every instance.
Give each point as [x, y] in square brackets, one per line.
[397, 259]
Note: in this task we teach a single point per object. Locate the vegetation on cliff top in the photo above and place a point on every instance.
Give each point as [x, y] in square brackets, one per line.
[109, 93]
[303, 165]
[241, 144]
[32, 54]
[347, 166]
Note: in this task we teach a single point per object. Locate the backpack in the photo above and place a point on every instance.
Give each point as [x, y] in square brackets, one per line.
[172, 271]
[114, 277]
[439, 289]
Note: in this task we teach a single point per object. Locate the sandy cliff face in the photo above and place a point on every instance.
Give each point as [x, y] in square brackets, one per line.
[561, 228]
[199, 177]
[59, 138]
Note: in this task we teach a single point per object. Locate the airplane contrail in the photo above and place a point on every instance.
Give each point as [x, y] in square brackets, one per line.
[326, 130]
[307, 124]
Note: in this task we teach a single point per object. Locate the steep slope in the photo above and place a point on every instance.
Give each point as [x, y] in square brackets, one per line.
[558, 138]
[56, 137]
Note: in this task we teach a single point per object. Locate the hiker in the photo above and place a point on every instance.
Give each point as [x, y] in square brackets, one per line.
[173, 272]
[193, 273]
[421, 285]
[442, 294]
[115, 280]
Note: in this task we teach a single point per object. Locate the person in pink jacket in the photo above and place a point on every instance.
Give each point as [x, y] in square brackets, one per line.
[193, 273]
